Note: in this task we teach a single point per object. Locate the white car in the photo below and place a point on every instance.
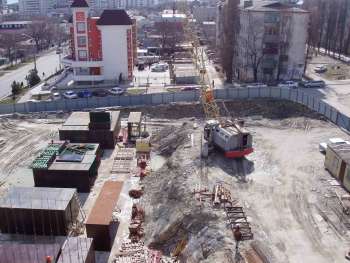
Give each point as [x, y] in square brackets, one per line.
[56, 96]
[256, 85]
[160, 67]
[322, 147]
[320, 69]
[70, 94]
[288, 84]
[116, 91]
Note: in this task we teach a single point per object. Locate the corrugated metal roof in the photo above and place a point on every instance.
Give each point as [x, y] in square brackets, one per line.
[37, 198]
[101, 213]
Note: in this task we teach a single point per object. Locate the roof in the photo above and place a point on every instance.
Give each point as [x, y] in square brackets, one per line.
[265, 6]
[37, 198]
[117, 17]
[342, 150]
[135, 117]
[29, 253]
[79, 121]
[16, 22]
[101, 213]
[79, 3]
[75, 249]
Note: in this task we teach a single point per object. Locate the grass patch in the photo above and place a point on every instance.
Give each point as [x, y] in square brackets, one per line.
[173, 89]
[136, 91]
[9, 100]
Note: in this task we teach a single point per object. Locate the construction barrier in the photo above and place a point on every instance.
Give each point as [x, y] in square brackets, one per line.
[295, 95]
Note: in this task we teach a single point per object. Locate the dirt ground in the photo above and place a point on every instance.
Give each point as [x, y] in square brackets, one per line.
[283, 188]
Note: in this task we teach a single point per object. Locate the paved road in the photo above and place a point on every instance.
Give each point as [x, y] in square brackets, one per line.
[47, 63]
[337, 92]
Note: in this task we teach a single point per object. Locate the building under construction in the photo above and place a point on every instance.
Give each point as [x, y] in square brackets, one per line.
[38, 211]
[92, 127]
[64, 164]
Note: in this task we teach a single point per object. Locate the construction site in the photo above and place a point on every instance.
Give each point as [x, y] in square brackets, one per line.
[184, 183]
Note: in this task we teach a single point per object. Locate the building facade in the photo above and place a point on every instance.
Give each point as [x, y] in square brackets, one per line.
[102, 48]
[271, 43]
[33, 7]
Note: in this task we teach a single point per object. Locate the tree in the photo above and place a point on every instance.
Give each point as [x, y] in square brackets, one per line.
[38, 31]
[252, 44]
[230, 26]
[15, 89]
[9, 42]
[33, 78]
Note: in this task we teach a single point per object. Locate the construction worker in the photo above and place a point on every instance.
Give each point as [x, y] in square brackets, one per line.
[237, 234]
[48, 259]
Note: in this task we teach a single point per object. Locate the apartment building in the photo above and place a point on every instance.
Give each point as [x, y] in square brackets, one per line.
[33, 7]
[271, 42]
[102, 48]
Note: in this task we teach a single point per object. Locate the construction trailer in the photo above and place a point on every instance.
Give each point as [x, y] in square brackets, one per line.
[134, 126]
[100, 224]
[230, 137]
[67, 165]
[337, 162]
[39, 211]
[92, 127]
[36, 249]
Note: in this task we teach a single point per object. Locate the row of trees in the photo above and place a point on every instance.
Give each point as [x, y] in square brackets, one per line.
[329, 25]
[39, 35]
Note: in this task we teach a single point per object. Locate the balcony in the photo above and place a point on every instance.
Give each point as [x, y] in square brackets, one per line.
[70, 62]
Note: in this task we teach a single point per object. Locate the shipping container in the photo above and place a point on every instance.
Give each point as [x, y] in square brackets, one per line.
[38, 210]
[100, 224]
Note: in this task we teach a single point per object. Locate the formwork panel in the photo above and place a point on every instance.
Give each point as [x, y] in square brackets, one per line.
[100, 224]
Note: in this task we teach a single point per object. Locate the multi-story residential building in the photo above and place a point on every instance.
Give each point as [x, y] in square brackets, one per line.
[3, 6]
[33, 7]
[102, 48]
[271, 42]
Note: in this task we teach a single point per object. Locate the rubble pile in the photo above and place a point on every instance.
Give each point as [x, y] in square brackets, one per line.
[173, 214]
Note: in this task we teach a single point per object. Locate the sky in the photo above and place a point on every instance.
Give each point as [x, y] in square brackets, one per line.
[12, 1]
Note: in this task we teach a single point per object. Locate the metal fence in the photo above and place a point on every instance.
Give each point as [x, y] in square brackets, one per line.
[294, 95]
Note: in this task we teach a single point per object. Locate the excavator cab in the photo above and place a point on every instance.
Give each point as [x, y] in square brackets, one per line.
[209, 127]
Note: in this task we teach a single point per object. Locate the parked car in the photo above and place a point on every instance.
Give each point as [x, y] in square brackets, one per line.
[313, 84]
[85, 94]
[69, 94]
[322, 147]
[256, 85]
[116, 91]
[288, 84]
[160, 67]
[56, 96]
[100, 93]
[320, 69]
[189, 88]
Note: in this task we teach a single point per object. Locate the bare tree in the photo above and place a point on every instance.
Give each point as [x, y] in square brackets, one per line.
[230, 35]
[9, 42]
[251, 41]
[37, 30]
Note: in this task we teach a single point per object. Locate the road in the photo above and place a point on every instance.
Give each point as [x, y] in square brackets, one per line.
[337, 92]
[47, 63]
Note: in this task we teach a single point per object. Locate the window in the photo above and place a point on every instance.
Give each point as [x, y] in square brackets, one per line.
[80, 27]
[82, 54]
[81, 41]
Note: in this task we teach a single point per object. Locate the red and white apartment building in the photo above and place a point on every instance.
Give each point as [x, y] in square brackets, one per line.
[102, 47]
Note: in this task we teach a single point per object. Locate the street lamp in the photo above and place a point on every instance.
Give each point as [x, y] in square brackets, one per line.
[35, 51]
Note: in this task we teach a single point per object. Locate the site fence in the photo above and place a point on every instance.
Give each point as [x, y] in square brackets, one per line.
[295, 95]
